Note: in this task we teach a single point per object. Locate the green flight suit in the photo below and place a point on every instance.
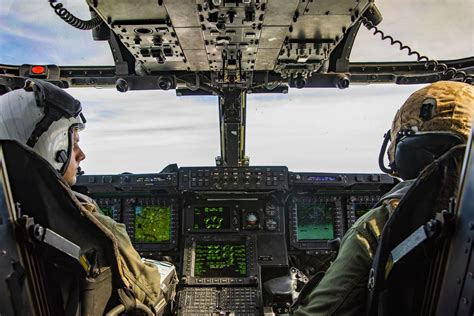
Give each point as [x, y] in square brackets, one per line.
[142, 278]
[343, 289]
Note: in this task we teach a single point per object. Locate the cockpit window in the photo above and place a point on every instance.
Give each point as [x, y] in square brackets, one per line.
[31, 33]
[438, 29]
[310, 129]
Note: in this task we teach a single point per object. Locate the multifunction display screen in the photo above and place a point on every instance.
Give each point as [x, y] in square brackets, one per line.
[152, 223]
[220, 259]
[361, 208]
[208, 218]
[111, 211]
[315, 221]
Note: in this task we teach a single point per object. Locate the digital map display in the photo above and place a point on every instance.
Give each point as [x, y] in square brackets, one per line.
[152, 223]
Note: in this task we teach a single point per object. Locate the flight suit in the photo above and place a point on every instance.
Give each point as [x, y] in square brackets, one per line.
[143, 278]
[343, 289]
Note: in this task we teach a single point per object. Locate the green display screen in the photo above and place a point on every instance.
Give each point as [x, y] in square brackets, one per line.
[223, 259]
[315, 221]
[152, 223]
[110, 210]
[206, 218]
[360, 209]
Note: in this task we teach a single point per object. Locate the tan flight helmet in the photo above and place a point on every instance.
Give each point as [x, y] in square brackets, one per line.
[430, 122]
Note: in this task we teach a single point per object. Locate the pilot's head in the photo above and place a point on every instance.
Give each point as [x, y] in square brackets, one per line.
[430, 122]
[47, 119]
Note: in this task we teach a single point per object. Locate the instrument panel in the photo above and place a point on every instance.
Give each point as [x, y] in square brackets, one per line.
[231, 230]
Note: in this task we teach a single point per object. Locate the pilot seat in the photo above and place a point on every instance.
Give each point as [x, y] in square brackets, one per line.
[61, 256]
[411, 255]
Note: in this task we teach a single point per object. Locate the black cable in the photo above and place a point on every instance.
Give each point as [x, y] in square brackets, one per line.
[382, 154]
[69, 18]
[449, 73]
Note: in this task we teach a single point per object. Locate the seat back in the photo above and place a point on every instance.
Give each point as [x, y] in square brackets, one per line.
[15, 296]
[408, 286]
[65, 287]
[457, 281]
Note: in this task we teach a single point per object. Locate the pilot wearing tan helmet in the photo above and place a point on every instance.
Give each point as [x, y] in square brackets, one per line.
[444, 109]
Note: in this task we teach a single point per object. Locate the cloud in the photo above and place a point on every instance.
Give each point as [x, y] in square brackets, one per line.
[328, 130]
[438, 29]
[32, 26]
[308, 130]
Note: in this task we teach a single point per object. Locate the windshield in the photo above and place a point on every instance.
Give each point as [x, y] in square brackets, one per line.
[308, 130]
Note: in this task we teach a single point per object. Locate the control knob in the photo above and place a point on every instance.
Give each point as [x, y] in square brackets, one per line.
[271, 224]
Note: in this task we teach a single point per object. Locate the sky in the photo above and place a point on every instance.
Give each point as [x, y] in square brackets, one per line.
[320, 130]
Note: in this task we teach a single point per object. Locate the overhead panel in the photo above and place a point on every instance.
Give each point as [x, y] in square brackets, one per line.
[266, 58]
[276, 21]
[272, 36]
[331, 7]
[152, 44]
[279, 12]
[137, 10]
[185, 21]
[197, 59]
[182, 13]
[231, 32]
[316, 29]
[231, 38]
[145, 29]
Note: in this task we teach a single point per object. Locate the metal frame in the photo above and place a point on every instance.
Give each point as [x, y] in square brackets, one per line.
[401, 73]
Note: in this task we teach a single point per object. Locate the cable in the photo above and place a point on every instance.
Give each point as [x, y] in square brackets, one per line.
[69, 18]
[449, 73]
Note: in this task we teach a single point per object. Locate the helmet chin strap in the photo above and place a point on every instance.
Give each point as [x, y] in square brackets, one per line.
[383, 150]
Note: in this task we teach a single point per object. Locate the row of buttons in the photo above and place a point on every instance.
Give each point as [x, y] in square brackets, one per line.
[249, 178]
[202, 301]
[236, 180]
[219, 281]
[208, 173]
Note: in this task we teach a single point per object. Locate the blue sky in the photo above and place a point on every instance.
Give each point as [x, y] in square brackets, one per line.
[307, 130]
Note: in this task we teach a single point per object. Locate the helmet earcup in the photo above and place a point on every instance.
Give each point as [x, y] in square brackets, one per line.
[414, 152]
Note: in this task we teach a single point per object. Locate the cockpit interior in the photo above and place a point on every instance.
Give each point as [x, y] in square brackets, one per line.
[244, 238]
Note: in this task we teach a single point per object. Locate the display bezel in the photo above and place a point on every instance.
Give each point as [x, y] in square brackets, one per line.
[166, 209]
[114, 202]
[318, 245]
[145, 247]
[331, 207]
[369, 199]
[211, 271]
[365, 210]
[232, 208]
[189, 260]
